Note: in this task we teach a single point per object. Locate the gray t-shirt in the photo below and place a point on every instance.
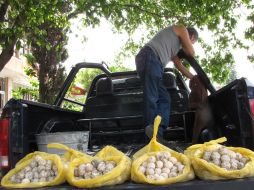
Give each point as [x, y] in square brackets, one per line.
[166, 45]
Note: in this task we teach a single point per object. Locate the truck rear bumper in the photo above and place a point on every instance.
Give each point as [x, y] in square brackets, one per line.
[239, 184]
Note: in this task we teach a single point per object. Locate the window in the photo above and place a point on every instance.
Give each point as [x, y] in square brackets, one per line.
[2, 92]
[76, 95]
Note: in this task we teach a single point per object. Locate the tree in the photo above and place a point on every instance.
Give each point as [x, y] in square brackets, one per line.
[11, 28]
[48, 39]
[17, 17]
[51, 74]
[44, 26]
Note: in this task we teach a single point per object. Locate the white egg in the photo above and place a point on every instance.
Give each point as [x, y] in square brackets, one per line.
[215, 155]
[144, 164]
[151, 165]
[142, 169]
[29, 175]
[166, 155]
[151, 159]
[226, 165]
[41, 168]
[150, 171]
[101, 166]
[33, 164]
[109, 166]
[165, 170]
[42, 179]
[244, 160]
[159, 164]
[168, 164]
[225, 158]
[172, 174]
[238, 156]
[36, 175]
[159, 155]
[157, 171]
[25, 181]
[216, 162]
[173, 160]
[165, 175]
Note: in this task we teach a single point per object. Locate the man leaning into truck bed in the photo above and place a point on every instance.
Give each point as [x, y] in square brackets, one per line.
[150, 63]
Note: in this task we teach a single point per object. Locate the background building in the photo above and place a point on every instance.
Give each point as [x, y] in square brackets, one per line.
[13, 76]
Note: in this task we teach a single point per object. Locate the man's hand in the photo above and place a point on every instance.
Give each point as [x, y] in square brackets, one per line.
[181, 67]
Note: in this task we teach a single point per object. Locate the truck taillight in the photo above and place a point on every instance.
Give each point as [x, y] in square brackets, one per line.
[252, 107]
[4, 147]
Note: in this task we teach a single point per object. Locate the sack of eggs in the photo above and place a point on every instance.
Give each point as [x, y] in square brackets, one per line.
[159, 165]
[108, 167]
[38, 169]
[212, 161]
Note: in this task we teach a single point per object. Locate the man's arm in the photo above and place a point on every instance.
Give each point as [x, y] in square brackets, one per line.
[181, 67]
[182, 33]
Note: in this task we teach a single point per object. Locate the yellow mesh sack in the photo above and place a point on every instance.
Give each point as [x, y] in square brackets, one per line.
[30, 156]
[150, 150]
[209, 171]
[117, 175]
[69, 155]
[5, 182]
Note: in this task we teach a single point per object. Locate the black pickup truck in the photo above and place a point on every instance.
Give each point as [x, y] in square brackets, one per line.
[112, 112]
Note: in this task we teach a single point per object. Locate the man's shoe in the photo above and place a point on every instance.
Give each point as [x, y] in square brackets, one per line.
[149, 133]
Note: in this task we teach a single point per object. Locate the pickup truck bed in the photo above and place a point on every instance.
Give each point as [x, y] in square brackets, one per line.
[232, 108]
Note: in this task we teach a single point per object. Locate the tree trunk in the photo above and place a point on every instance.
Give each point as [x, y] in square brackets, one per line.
[42, 84]
[42, 88]
[6, 54]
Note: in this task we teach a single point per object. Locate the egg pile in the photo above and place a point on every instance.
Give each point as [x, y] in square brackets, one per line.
[161, 166]
[94, 169]
[225, 158]
[39, 170]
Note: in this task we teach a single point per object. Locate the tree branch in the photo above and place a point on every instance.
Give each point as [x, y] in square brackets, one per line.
[3, 10]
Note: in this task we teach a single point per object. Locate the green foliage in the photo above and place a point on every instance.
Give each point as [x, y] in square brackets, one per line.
[85, 77]
[118, 68]
[220, 17]
[232, 75]
[32, 91]
[32, 69]
[72, 106]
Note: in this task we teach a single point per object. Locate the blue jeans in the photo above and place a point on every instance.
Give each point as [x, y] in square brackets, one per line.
[156, 97]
